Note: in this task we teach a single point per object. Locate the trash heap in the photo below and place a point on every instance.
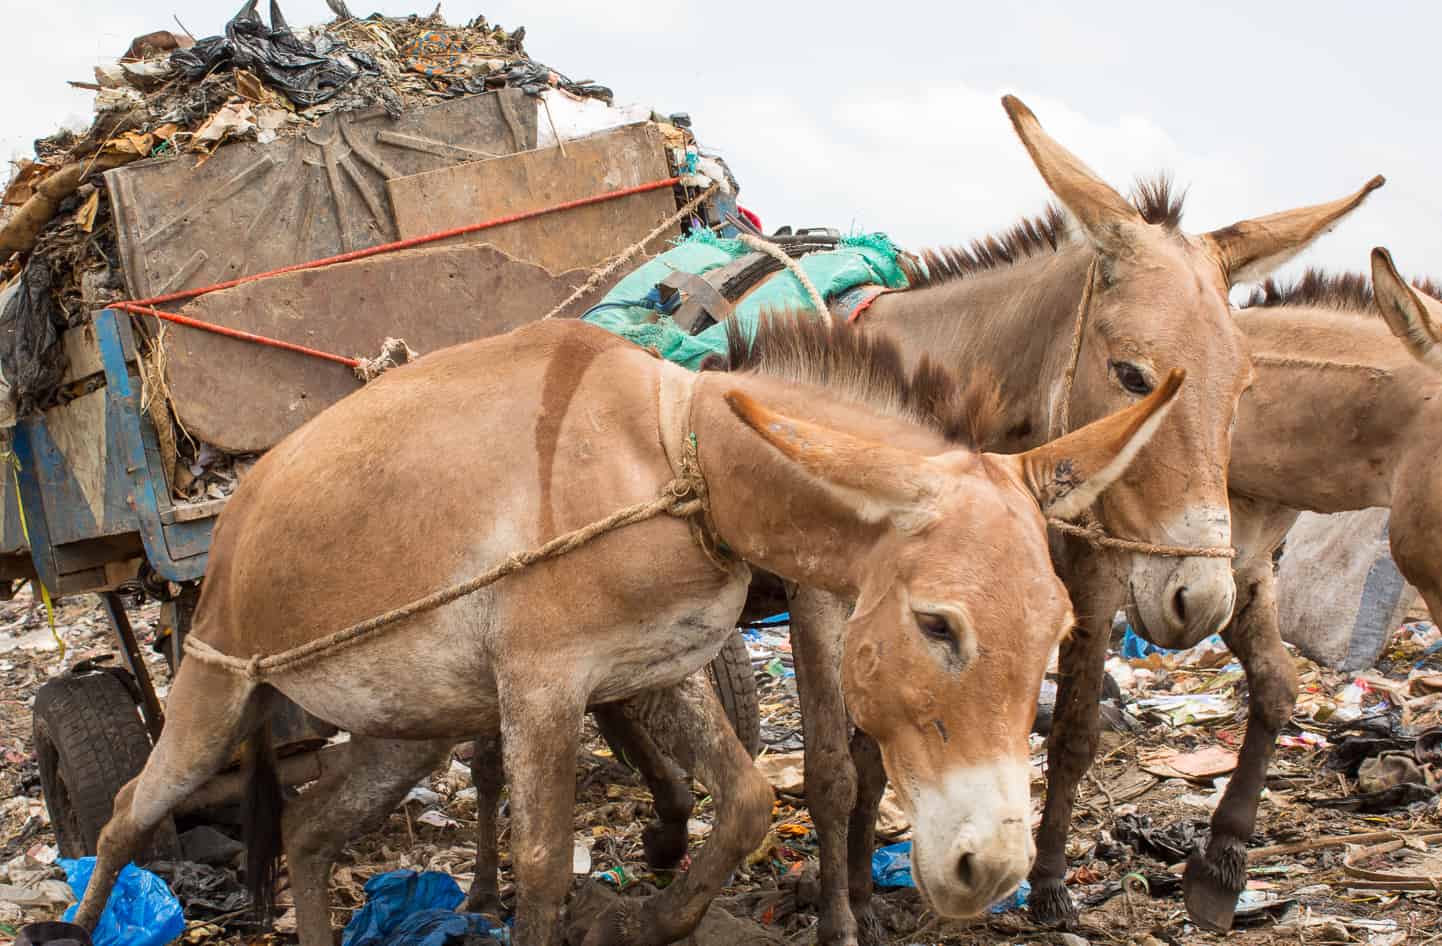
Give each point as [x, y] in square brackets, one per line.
[170, 94]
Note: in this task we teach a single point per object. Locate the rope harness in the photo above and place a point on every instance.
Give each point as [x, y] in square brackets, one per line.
[777, 253]
[1094, 533]
[684, 497]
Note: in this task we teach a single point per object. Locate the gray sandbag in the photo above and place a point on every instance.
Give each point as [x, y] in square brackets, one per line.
[1339, 594]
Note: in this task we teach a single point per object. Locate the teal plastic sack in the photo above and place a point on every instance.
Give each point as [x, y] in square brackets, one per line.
[142, 910]
[631, 308]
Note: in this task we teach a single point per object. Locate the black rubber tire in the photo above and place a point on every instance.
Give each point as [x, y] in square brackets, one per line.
[90, 741]
[735, 684]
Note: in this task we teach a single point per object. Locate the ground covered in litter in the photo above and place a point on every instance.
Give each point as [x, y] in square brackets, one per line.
[1350, 764]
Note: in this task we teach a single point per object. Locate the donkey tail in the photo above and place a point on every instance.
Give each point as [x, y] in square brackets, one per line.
[264, 805]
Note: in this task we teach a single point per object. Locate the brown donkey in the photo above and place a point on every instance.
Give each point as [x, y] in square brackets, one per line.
[1079, 321]
[1074, 325]
[1339, 417]
[445, 467]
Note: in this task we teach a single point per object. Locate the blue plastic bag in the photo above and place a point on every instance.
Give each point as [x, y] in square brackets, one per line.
[404, 908]
[141, 910]
[1135, 648]
[891, 866]
[1016, 900]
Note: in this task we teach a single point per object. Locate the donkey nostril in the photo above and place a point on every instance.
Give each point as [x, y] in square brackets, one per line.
[966, 870]
[1179, 604]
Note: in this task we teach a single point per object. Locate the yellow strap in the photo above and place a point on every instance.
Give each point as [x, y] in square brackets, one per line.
[14, 463]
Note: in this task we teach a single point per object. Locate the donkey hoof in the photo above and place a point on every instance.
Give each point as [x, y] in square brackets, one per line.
[664, 844]
[1211, 885]
[1051, 906]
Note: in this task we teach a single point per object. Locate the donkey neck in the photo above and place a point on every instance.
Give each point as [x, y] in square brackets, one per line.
[765, 507]
[1336, 409]
[1016, 322]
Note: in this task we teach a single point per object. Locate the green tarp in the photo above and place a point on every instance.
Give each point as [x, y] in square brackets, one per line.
[631, 309]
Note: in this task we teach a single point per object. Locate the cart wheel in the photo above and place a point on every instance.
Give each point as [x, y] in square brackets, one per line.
[735, 684]
[90, 741]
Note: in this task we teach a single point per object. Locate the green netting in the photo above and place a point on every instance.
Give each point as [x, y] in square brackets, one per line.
[631, 308]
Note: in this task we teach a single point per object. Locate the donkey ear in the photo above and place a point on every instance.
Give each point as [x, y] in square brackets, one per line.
[1067, 475]
[1251, 249]
[1412, 316]
[887, 481]
[1109, 219]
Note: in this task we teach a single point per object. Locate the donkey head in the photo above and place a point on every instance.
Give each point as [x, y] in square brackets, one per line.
[1159, 302]
[1413, 316]
[957, 611]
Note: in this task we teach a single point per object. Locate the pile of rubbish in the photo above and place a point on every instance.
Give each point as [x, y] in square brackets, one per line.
[170, 94]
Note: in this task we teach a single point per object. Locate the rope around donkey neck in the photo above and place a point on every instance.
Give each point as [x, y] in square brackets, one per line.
[684, 497]
[1095, 534]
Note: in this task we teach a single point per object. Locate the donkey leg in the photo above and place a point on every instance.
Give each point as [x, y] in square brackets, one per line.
[665, 838]
[689, 724]
[1212, 883]
[354, 797]
[816, 618]
[861, 835]
[1076, 729]
[541, 733]
[208, 712]
[488, 774]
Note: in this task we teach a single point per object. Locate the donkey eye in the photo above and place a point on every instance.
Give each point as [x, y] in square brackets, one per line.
[1132, 378]
[933, 626]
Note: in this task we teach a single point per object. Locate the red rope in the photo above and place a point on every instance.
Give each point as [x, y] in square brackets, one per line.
[233, 333]
[146, 306]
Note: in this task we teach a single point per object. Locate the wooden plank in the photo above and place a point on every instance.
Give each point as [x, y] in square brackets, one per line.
[189, 512]
[244, 398]
[82, 353]
[251, 207]
[583, 237]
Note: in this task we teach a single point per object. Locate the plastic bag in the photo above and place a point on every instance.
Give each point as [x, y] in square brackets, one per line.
[141, 911]
[404, 908]
[301, 70]
[33, 360]
[891, 866]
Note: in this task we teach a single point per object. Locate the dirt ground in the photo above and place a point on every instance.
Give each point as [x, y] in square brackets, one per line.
[1310, 897]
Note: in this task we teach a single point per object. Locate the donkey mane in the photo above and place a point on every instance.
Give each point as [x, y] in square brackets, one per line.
[1155, 198]
[868, 368]
[1343, 292]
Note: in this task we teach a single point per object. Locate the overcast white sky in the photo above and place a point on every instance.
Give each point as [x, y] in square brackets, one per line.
[886, 115]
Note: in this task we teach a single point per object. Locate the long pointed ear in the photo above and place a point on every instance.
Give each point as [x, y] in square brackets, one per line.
[883, 480]
[1411, 315]
[1251, 249]
[1067, 475]
[1109, 219]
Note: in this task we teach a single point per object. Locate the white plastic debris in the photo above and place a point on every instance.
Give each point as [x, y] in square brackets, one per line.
[580, 858]
[559, 113]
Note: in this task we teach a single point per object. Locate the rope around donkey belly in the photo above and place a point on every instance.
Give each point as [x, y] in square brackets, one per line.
[683, 497]
[1095, 534]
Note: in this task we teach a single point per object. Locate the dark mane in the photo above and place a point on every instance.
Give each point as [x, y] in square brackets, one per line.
[1344, 292]
[1155, 198]
[868, 367]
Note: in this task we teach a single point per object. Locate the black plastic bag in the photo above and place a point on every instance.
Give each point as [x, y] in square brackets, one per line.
[31, 356]
[307, 75]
